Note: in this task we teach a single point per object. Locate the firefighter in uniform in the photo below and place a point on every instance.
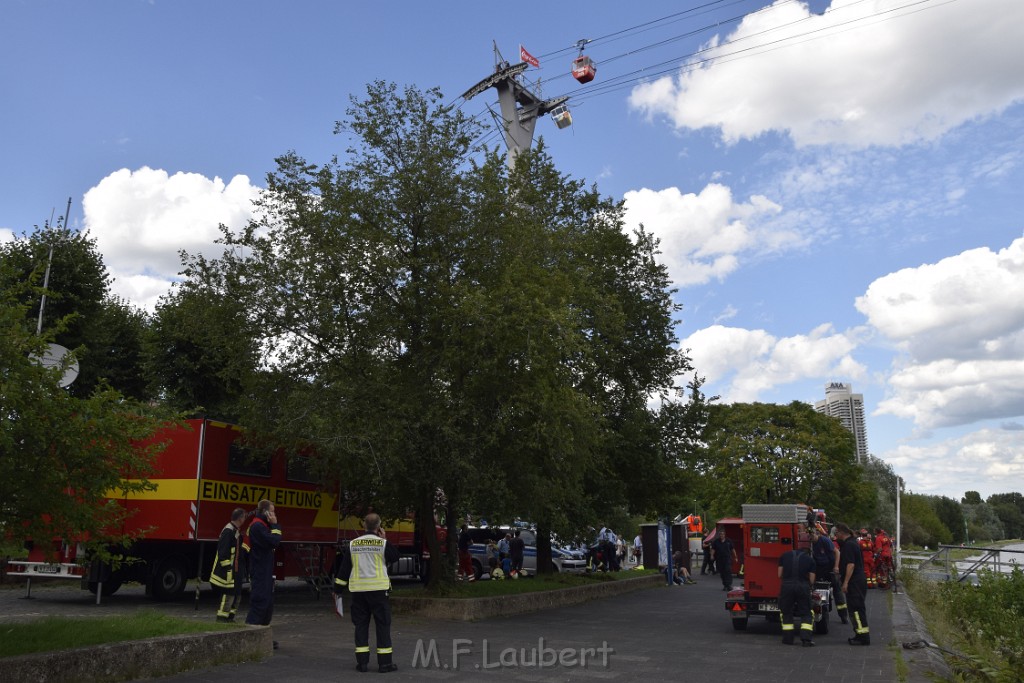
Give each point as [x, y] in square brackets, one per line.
[867, 551]
[883, 558]
[262, 539]
[855, 585]
[825, 556]
[364, 571]
[796, 569]
[225, 578]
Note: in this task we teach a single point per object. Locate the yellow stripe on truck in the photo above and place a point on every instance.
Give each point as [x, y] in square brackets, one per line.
[242, 494]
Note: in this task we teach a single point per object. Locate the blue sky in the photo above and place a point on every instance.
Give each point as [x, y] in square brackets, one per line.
[837, 187]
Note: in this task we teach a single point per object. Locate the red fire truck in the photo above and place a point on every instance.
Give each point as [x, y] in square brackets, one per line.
[768, 532]
[201, 476]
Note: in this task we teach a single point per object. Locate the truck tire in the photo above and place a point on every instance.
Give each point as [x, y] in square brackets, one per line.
[478, 569]
[110, 586]
[821, 626]
[740, 624]
[554, 568]
[168, 581]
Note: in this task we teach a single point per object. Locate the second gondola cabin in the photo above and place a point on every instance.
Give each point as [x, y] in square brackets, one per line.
[584, 69]
[561, 116]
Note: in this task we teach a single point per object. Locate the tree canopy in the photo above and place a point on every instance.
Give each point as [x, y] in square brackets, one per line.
[61, 456]
[767, 453]
[432, 325]
[105, 332]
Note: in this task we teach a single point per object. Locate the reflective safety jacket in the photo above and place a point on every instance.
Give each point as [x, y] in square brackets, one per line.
[364, 566]
[225, 562]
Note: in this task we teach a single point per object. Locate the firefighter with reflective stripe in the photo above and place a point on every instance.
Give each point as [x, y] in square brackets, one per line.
[225, 577]
[263, 537]
[364, 571]
[855, 585]
[867, 551]
[796, 569]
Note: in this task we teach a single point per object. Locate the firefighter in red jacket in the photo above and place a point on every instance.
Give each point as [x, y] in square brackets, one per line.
[225, 577]
[867, 549]
[883, 557]
[364, 571]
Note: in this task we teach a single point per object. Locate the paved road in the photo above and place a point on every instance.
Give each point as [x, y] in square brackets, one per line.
[678, 633]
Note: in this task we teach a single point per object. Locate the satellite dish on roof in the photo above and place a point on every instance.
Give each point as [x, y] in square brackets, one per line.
[56, 356]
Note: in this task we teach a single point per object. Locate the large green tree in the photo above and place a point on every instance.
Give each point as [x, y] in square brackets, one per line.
[447, 333]
[105, 332]
[768, 453]
[881, 474]
[951, 514]
[921, 525]
[60, 455]
[200, 354]
[1009, 507]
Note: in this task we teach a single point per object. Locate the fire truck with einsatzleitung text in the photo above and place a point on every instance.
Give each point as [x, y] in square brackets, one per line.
[203, 474]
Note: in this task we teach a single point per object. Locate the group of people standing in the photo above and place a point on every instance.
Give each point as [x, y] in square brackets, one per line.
[608, 552]
[250, 553]
[841, 562]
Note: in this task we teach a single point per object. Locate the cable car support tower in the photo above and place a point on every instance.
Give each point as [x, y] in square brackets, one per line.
[520, 107]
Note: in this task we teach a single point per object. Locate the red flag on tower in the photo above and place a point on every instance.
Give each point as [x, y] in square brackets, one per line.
[527, 57]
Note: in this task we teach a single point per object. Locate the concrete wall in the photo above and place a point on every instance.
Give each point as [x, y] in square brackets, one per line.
[473, 609]
[140, 658]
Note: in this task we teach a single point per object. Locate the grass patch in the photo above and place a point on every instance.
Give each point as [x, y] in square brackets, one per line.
[60, 633]
[533, 584]
[983, 624]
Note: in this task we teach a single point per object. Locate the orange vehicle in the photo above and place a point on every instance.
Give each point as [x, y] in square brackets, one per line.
[769, 530]
[201, 476]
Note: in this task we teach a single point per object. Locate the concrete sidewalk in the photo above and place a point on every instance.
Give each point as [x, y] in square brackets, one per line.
[663, 633]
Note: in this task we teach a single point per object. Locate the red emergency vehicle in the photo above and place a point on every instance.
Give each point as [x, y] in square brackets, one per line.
[201, 476]
[769, 530]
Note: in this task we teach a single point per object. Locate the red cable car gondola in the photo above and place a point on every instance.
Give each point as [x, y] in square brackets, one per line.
[584, 69]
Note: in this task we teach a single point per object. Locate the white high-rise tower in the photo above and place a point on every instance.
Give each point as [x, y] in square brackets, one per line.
[840, 402]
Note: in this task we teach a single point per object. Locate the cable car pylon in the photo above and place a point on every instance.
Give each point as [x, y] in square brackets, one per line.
[520, 107]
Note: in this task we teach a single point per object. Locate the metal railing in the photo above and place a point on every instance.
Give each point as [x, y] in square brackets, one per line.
[962, 569]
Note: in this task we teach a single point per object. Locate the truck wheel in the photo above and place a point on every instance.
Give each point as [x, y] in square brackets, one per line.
[821, 626]
[554, 568]
[169, 579]
[110, 586]
[478, 569]
[740, 624]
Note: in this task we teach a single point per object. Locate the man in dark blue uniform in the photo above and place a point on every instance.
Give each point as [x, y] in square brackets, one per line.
[263, 537]
[796, 569]
[826, 567]
[854, 584]
[723, 554]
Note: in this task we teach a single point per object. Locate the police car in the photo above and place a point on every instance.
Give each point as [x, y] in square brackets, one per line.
[562, 559]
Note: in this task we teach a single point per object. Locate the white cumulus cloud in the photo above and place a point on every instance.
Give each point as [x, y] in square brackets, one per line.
[142, 219]
[703, 235]
[960, 325]
[747, 362]
[987, 460]
[866, 72]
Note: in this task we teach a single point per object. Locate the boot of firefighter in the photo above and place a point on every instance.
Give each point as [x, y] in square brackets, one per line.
[363, 658]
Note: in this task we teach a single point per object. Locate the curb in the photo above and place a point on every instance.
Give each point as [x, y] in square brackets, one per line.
[475, 609]
[924, 664]
[136, 659]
